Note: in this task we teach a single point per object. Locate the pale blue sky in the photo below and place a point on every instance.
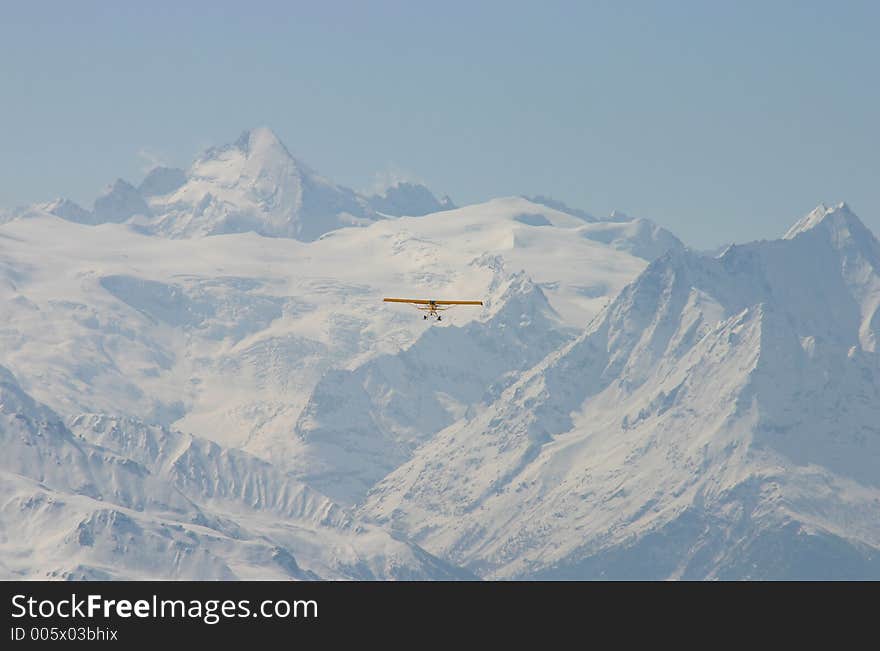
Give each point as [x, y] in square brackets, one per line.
[720, 120]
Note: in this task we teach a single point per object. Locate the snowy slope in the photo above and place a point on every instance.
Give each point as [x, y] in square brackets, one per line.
[640, 237]
[126, 500]
[227, 336]
[230, 338]
[36, 444]
[562, 207]
[361, 424]
[719, 419]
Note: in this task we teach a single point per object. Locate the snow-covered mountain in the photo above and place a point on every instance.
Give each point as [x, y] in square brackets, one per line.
[409, 199]
[255, 185]
[227, 336]
[119, 202]
[201, 381]
[252, 185]
[69, 210]
[237, 339]
[640, 237]
[360, 424]
[718, 420]
[125, 500]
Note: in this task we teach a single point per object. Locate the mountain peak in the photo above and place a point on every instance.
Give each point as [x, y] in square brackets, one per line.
[260, 139]
[119, 202]
[411, 199]
[834, 217]
[255, 184]
[259, 146]
[67, 209]
[119, 185]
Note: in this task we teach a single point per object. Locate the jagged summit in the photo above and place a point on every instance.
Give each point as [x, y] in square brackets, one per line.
[119, 202]
[835, 217]
[69, 210]
[260, 149]
[261, 139]
[841, 230]
[409, 199]
[255, 184]
[255, 149]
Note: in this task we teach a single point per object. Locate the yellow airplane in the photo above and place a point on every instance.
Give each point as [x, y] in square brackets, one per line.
[433, 308]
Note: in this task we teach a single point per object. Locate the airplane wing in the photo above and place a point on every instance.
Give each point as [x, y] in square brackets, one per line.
[419, 301]
[406, 300]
